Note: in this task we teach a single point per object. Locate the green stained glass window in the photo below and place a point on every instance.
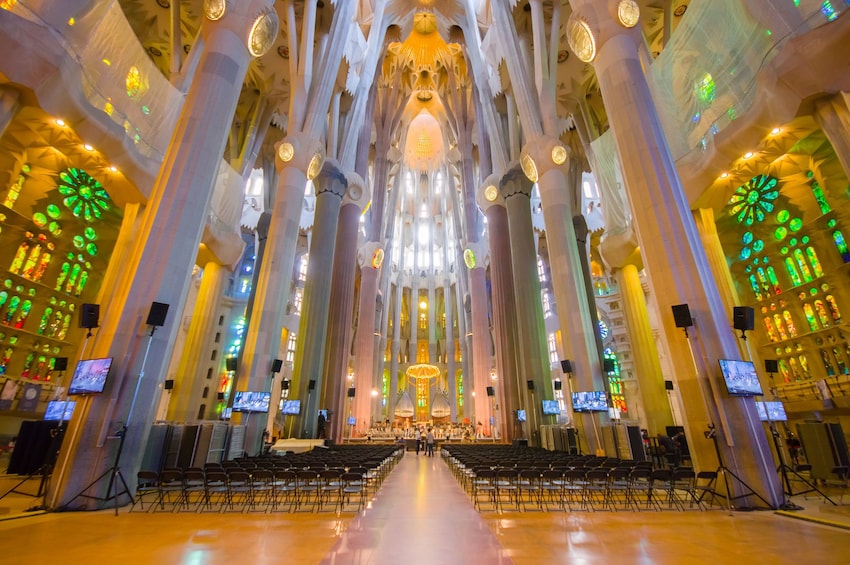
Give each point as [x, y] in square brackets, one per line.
[774, 282]
[55, 228]
[792, 272]
[812, 255]
[750, 202]
[705, 89]
[809, 312]
[745, 253]
[63, 274]
[823, 204]
[90, 233]
[831, 223]
[782, 216]
[72, 279]
[53, 211]
[91, 249]
[813, 291]
[758, 246]
[823, 317]
[755, 286]
[39, 219]
[747, 238]
[795, 224]
[804, 267]
[79, 242]
[84, 196]
[784, 250]
[780, 233]
[841, 245]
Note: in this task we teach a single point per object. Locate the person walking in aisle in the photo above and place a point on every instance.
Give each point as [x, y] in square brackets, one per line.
[429, 442]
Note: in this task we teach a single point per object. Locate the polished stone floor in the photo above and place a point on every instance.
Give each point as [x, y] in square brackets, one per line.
[421, 516]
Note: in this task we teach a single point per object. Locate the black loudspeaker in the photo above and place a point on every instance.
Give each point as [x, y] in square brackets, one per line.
[284, 384]
[566, 366]
[682, 316]
[89, 315]
[277, 364]
[608, 365]
[770, 365]
[230, 363]
[311, 385]
[157, 314]
[169, 384]
[530, 385]
[743, 318]
[558, 385]
[351, 392]
[491, 391]
[61, 363]
[668, 385]
[220, 396]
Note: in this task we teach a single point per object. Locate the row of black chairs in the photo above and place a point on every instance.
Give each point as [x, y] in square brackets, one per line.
[620, 488]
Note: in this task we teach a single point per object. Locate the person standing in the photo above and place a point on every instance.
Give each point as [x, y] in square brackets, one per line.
[419, 440]
[429, 442]
[320, 426]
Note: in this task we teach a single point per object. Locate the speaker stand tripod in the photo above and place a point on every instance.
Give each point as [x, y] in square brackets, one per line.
[115, 476]
[784, 470]
[723, 470]
[44, 472]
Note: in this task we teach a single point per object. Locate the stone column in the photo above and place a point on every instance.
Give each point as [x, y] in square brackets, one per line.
[679, 272]
[481, 358]
[342, 305]
[364, 362]
[194, 358]
[298, 159]
[307, 371]
[9, 107]
[168, 240]
[833, 118]
[533, 353]
[504, 306]
[707, 227]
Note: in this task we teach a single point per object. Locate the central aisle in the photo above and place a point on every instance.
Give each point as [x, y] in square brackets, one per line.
[420, 516]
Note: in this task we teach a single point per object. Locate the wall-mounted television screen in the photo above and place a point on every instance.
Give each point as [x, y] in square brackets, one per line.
[90, 376]
[60, 409]
[245, 401]
[291, 407]
[551, 407]
[592, 401]
[520, 416]
[352, 420]
[226, 413]
[740, 377]
[772, 411]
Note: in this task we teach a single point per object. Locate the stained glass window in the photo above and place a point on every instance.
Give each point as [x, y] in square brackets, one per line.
[804, 267]
[810, 317]
[774, 282]
[751, 201]
[812, 255]
[755, 286]
[804, 366]
[833, 308]
[20, 257]
[841, 245]
[771, 330]
[792, 272]
[839, 361]
[821, 312]
[820, 198]
[780, 327]
[84, 196]
[15, 189]
[789, 323]
[827, 362]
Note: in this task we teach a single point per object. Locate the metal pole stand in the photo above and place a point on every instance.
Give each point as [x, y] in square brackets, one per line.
[114, 473]
[726, 473]
[784, 470]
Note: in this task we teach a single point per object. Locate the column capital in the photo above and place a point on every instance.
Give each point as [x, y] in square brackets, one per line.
[514, 182]
[331, 180]
[593, 23]
[358, 193]
[488, 194]
[370, 254]
[255, 21]
[543, 154]
[303, 151]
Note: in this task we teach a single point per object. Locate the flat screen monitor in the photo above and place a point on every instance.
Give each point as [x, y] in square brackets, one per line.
[740, 377]
[352, 420]
[226, 413]
[60, 409]
[291, 407]
[592, 401]
[772, 411]
[520, 416]
[246, 401]
[551, 407]
[90, 376]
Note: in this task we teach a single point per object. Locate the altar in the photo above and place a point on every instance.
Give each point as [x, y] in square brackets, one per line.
[295, 445]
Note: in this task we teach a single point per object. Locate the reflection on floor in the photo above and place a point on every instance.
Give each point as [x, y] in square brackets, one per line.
[420, 516]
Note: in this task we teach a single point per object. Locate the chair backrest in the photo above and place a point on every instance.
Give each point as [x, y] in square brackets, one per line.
[261, 475]
[171, 476]
[214, 478]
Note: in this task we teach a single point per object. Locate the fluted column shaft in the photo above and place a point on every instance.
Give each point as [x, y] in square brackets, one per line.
[833, 117]
[160, 271]
[364, 350]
